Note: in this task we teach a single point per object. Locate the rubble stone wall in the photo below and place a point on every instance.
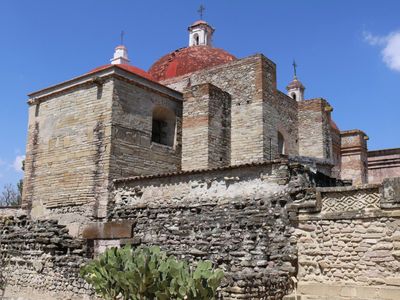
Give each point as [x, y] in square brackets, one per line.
[236, 217]
[40, 260]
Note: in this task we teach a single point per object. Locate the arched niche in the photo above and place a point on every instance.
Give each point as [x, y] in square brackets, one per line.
[163, 126]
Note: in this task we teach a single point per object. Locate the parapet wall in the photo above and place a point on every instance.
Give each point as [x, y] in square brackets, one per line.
[348, 242]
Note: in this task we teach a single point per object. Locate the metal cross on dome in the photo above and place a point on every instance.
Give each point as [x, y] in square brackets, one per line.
[201, 11]
[122, 37]
[294, 67]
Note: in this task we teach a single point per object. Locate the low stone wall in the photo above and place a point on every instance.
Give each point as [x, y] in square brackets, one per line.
[349, 243]
[11, 211]
[40, 260]
[235, 217]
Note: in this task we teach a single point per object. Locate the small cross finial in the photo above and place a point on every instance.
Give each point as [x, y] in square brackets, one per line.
[294, 68]
[201, 11]
[122, 37]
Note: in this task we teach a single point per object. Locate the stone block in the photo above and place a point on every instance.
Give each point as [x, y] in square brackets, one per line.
[109, 230]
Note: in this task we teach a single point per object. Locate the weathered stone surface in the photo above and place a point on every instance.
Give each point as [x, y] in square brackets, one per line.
[41, 257]
[109, 230]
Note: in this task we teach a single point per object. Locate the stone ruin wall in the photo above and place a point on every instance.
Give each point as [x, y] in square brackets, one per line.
[40, 260]
[235, 217]
[261, 223]
[348, 243]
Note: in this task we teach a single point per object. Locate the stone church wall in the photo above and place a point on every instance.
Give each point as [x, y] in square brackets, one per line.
[206, 128]
[315, 138]
[280, 115]
[133, 151]
[68, 147]
[354, 157]
[244, 80]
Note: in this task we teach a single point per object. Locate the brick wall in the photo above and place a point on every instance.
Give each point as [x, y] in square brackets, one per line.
[383, 164]
[354, 161]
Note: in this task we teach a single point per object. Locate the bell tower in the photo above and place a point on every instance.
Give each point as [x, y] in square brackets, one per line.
[200, 33]
[120, 56]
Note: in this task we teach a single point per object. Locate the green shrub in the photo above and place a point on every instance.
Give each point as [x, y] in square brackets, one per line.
[148, 273]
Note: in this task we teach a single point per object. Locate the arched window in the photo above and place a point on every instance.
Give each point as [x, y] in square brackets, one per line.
[196, 39]
[281, 144]
[163, 126]
[294, 96]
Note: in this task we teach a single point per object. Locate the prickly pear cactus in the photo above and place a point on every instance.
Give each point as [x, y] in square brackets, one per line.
[148, 273]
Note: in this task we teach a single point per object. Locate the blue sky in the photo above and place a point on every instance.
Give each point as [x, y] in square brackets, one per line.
[348, 52]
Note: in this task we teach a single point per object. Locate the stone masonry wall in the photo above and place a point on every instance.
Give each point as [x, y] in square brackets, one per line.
[280, 115]
[68, 146]
[206, 128]
[315, 129]
[243, 80]
[40, 260]
[349, 243]
[133, 152]
[236, 217]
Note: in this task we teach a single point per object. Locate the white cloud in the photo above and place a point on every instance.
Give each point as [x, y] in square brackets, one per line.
[17, 164]
[390, 45]
[2, 162]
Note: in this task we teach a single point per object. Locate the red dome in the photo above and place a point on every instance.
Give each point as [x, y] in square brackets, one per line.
[188, 60]
[128, 68]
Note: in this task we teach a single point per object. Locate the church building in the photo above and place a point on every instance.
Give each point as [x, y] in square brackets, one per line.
[203, 156]
[197, 107]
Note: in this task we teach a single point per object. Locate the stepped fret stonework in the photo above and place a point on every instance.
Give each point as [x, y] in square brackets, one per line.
[350, 201]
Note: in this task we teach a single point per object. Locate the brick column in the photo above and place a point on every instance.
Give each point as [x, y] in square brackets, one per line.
[354, 164]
